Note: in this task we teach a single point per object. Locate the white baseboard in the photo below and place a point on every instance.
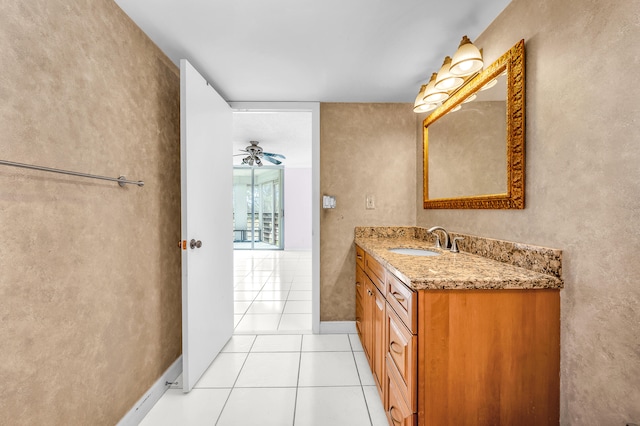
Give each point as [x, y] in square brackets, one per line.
[150, 397]
[337, 327]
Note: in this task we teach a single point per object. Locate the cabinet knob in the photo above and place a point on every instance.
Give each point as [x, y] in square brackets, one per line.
[195, 244]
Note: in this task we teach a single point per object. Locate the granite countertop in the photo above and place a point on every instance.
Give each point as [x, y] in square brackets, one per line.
[451, 270]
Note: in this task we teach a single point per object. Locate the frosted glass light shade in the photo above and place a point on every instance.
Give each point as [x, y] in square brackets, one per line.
[470, 98]
[445, 81]
[425, 108]
[489, 85]
[431, 94]
[420, 105]
[420, 98]
[467, 60]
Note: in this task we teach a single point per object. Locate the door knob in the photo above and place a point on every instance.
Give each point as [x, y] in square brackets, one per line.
[195, 244]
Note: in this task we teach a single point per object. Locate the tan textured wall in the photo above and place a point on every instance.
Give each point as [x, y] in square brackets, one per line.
[90, 276]
[582, 190]
[364, 149]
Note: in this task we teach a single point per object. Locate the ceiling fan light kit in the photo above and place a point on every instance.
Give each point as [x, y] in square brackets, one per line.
[256, 155]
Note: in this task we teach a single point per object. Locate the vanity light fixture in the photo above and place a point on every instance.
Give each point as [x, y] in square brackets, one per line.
[467, 60]
[433, 95]
[446, 80]
[420, 105]
[453, 74]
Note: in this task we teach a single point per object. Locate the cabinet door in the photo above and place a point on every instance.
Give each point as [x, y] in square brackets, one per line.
[402, 355]
[379, 346]
[359, 316]
[368, 301]
[360, 284]
[360, 257]
[360, 280]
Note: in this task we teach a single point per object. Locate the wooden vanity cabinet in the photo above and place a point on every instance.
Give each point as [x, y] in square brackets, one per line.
[389, 344]
[461, 357]
[370, 322]
[489, 357]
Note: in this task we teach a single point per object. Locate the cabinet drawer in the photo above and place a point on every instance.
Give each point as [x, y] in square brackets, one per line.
[402, 300]
[397, 411]
[401, 357]
[376, 272]
[360, 280]
[360, 257]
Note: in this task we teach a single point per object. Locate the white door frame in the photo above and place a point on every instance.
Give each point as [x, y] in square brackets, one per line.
[314, 108]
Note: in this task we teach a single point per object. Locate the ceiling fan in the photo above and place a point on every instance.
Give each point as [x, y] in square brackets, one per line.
[256, 155]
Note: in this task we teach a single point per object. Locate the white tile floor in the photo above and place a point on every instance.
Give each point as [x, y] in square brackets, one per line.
[274, 371]
[297, 379]
[272, 291]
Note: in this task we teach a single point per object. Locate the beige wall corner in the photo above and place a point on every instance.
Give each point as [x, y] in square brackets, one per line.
[582, 193]
[90, 272]
[365, 149]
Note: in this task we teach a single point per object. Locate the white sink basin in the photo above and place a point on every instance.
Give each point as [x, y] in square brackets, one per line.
[414, 252]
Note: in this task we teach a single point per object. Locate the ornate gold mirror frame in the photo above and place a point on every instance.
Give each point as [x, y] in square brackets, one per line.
[513, 63]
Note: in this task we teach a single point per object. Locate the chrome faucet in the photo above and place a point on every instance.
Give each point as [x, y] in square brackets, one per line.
[454, 244]
[446, 236]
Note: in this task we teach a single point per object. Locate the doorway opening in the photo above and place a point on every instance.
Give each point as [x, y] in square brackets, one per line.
[258, 208]
[273, 125]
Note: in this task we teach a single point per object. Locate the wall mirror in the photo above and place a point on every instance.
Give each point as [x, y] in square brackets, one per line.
[474, 150]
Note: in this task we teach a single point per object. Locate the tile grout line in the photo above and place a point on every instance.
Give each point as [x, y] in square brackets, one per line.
[366, 403]
[295, 401]
[236, 380]
[293, 266]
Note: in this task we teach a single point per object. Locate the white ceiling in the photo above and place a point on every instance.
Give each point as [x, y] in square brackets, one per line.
[286, 133]
[309, 50]
[320, 50]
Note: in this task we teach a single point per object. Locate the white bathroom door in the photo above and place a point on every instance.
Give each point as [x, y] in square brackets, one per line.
[207, 220]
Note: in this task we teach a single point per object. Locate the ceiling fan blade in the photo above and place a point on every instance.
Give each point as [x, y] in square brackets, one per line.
[272, 160]
[270, 154]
